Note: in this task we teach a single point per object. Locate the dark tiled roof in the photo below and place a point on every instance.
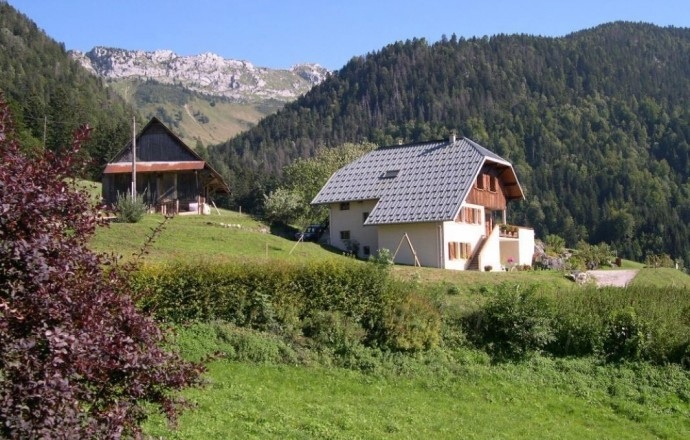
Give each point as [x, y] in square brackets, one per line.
[412, 183]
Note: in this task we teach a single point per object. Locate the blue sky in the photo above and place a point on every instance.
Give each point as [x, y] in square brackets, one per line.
[279, 34]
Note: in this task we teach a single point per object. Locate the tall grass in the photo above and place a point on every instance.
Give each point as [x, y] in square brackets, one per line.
[663, 314]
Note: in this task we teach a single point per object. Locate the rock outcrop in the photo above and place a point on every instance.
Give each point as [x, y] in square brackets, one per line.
[206, 73]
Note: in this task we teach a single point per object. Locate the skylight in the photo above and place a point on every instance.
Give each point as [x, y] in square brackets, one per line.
[390, 174]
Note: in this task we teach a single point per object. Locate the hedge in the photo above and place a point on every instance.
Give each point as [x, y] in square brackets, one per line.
[280, 297]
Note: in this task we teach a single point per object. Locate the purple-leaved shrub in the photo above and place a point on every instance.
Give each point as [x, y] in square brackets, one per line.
[77, 358]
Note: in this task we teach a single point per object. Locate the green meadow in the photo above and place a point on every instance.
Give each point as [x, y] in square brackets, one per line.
[262, 384]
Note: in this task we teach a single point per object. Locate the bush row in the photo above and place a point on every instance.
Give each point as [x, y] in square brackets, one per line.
[635, 323]
[289, 299]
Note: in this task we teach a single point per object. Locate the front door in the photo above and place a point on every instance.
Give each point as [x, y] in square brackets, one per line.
[488, 221]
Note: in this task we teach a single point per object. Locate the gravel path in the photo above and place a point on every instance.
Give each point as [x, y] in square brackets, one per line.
[617, 278]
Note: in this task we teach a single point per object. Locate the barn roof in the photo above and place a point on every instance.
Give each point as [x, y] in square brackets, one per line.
[416, 182]
[149, 167]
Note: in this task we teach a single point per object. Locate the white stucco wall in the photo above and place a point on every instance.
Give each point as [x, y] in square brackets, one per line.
[352, 220]
[521, 249]
[462, 233]
[510, 247]
[491, 252]
[424, 237]
[526, 251]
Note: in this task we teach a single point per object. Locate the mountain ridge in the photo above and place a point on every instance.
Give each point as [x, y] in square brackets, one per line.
[206, 73]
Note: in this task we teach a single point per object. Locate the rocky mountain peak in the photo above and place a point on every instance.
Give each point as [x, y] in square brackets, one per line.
[206, 73]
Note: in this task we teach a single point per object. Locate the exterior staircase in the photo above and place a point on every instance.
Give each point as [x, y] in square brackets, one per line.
[473, 263]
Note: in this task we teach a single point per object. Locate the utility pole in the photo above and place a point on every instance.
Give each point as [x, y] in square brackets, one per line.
[134, 157]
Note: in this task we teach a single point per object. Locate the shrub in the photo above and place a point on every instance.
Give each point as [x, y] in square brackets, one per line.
[452, 331]
[594, 255]
[578, 335]
[279, 296]
[514, 322]
[383, 258]
[453, 290]
[588, 318]
[626, 336]
[252, 346]
[334, 330]
[659, 260]
[555, 244]
[412, 324]
[77, 359]
[130, 209]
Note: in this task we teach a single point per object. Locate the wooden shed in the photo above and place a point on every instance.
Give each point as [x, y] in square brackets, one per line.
[170, 175]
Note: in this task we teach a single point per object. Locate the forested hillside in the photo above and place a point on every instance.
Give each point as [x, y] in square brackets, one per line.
[597, 124]
[47, 90]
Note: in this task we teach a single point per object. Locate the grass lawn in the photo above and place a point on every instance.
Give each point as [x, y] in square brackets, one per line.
[475, 279]
[525, 401]
[92, 188]
[204, 238]
[461, 398]
[661, 277]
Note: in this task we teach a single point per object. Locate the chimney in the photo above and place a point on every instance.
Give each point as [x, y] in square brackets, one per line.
[452, 137]
[400, 141]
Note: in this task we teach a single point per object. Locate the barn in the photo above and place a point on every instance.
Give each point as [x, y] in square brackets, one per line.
[171, 177]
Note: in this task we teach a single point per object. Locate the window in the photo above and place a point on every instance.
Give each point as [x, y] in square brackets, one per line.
[459, 251]
[344, 206]
[390, 174]
[481, 184]
[493, 183]
[366, 250]
[344, 235]
[365, 216]
[470, 215]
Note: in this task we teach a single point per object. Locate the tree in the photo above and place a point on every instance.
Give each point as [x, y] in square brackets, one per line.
[77, 359]
[555, 244]
[304, 178]
[283, 206]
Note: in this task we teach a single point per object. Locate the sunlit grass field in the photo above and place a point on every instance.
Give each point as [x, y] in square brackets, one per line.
[502, 402]
[224, 237]
[466, 396]
[440, 394]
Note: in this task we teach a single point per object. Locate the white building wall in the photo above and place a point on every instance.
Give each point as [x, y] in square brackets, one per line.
[462, 233]
[526, 250]
[491, 252]
[352, 220]
[520, 249]
[425, 239]
[510, 248]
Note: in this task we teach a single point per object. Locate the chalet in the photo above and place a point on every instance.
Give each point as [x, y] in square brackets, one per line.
[438, 204]
[170, 175]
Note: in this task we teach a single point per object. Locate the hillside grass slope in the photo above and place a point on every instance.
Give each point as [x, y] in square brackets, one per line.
[193, 116]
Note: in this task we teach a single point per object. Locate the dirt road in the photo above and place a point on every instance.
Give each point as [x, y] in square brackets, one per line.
[617, 278]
